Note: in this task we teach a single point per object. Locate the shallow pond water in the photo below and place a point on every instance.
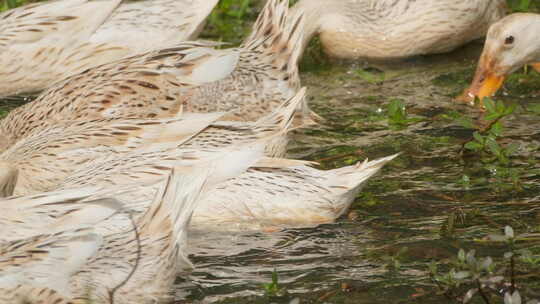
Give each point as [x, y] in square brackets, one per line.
[408, 205]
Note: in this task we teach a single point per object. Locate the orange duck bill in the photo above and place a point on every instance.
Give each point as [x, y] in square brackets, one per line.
[485, 82]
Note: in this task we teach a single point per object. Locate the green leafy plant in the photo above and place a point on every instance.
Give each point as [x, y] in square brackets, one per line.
[371, 76]
[519, 5]
[486, 139]
[273, 288]
[230, 21]
[397, 115]
[488, 142]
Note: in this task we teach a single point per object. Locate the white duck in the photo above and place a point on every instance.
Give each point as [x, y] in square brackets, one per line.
[136, 262]
[389, 29]
[42, 43]
[43, 160]
[247, 82]
[511, 43]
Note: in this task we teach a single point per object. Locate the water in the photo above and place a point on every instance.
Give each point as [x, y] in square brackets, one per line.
[406, 206]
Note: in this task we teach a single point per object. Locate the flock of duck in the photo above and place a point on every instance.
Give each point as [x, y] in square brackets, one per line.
[138, 134]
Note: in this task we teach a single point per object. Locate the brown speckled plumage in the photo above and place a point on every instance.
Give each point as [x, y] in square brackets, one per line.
[136, 260]
[43, 160]
[159, 84]
[45, 42]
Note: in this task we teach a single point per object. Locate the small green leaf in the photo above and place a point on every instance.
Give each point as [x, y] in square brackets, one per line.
[479, 138]
[370, 76]
[433, 268]
[493, 146]
[496, 129]
[490, 105]
[474, 146]
[510, 109]
[460, 275]
[469, 257]
[492, 116]
[500, 107]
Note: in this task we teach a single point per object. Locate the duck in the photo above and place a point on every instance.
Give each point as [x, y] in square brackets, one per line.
[136, 262]
[41, 161]
[247, 82]
[395, 29]
[274, 193]
[309, 196]
[280, 196]
[45, 159]
[510, 44]
[42, 43]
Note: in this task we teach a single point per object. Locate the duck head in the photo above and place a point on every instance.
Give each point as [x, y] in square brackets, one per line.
[510, 44]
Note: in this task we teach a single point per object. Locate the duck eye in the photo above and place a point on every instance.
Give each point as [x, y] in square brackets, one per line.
[509, 40]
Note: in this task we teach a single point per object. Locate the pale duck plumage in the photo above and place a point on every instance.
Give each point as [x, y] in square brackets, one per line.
[45, 42]
[247, 82]
[394, 29]
[136, 264]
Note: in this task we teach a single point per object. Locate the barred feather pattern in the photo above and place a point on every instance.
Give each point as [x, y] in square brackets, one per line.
[45, 42]
[134, 264]
[267, 71]
[151, 85]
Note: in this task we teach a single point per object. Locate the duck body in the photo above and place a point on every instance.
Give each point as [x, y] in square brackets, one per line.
[277, 193]
[43, 43]
[143, 86]
[127, 265]
[395, 29]
[134, 260]
[249, 82]
[44, 160]
[266, 73]
[283, 196]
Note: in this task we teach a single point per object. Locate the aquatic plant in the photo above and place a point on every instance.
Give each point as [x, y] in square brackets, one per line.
[485, 139]
[397, 115]
[470, 276]
[230, 20]
[273, 289]
[488, 144]
[520, 5]
[371, 75]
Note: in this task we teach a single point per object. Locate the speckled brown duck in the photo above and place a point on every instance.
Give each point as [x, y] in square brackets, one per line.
[247, 82]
